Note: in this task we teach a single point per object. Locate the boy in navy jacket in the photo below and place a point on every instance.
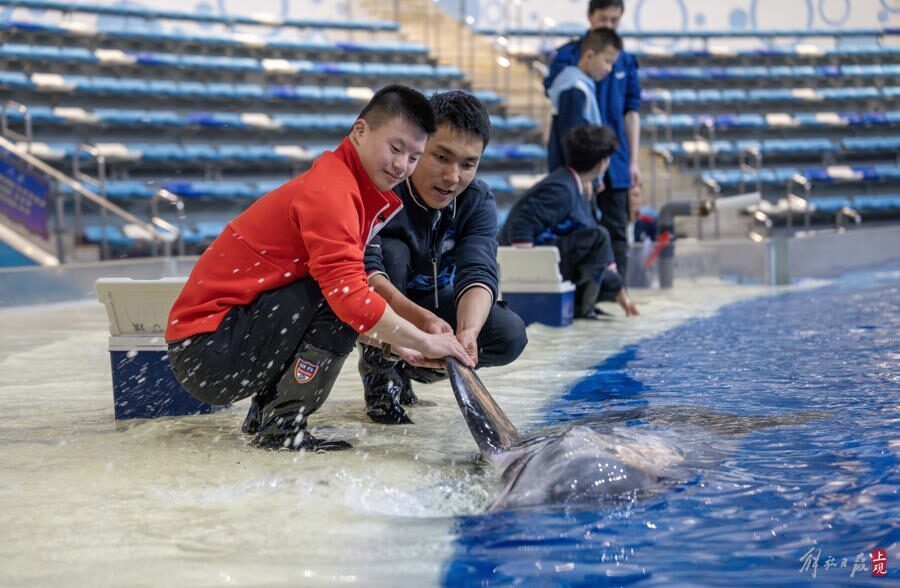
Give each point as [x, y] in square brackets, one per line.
[558, 211]
[619, 100]
[573, 93]
[436, 261]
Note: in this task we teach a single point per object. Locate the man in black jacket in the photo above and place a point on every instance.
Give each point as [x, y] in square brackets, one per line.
[557, 211]
[436, 262]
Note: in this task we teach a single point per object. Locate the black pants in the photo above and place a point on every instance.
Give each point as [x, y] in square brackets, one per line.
[584, 256]
[255, 344]
[502, 338]
[614, 206]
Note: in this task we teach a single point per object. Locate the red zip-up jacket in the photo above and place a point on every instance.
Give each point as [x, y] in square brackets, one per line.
[315, 225]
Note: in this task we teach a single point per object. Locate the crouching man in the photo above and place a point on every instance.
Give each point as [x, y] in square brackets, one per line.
[436, 261]
[558, 211]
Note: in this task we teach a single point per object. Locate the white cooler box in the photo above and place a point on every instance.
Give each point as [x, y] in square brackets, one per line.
[531, 285]
[143, 383]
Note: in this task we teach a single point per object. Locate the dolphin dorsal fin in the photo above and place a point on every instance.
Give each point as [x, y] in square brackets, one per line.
[491, 428]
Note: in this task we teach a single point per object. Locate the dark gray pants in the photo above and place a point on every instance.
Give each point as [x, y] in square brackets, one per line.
[614, 206]
[584, 256]
[254, 345]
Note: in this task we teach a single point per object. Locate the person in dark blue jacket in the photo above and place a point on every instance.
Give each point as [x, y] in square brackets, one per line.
[558, 211]
[619, 101]
[435, 262]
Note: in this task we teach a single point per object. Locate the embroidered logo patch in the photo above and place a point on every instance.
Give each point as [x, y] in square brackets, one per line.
[304, 371]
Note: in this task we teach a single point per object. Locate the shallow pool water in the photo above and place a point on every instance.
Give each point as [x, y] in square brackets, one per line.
[786, 409]
[783, 407]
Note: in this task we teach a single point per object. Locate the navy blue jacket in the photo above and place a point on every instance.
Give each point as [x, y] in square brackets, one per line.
[459, 241]
[551, 208]
[617, 93]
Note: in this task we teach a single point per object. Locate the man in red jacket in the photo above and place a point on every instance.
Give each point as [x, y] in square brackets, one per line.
[275, 304]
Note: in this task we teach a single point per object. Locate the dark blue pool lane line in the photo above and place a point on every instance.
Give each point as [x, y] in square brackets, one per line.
[551, 546]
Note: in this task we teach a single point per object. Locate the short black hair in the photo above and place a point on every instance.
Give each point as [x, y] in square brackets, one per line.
[395, 100]
[604, 4]
[599, 39]
[462, 111]
[587, 145]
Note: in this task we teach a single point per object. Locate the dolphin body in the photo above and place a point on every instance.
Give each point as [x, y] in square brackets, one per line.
[575, 465]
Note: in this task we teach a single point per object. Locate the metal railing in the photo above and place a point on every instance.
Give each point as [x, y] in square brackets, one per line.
[59, 180]
[712, 193]
[843, 215]
[792, 199]
[745, 167]
[99, 183]
[709, 126]
[4, 123]
[175, 232]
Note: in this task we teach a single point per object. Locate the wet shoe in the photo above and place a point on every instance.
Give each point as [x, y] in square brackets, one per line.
[388, 413]
[302, 440]
[383, 387]
[593, 315]
[251, 421]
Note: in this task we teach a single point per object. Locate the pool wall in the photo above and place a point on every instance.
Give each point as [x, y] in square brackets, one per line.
[778, 260]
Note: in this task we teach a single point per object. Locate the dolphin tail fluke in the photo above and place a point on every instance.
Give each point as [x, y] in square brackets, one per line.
[491, 428]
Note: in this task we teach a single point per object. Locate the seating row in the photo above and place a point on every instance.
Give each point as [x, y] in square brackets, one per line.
[825, 175]
[126, 10]
[802, 146]
[787, 95]
[44, 82]
[226, 189]
[125, 117]
[119, 58]
[770, 72]
[87, 34]
[777, 120]
[200, 153]
[798, 50]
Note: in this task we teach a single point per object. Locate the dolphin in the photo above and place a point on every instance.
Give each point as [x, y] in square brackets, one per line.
[574, 465]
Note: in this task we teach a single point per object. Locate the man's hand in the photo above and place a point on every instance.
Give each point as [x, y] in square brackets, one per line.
[469, 340]
[445, 345]
[522, 244]
[434, 324]
[635, 171]
[627, 303]
[415, 358]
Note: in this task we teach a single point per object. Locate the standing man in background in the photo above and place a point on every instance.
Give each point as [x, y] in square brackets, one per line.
[619, 100]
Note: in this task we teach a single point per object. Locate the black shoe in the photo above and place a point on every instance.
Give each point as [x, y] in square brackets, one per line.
[251, 422]
[301, 440]
[382, 386]
[387, 413]
[593, 315]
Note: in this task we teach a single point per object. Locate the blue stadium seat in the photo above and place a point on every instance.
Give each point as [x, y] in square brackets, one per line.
[881, 144]
[829, 205]
[114, 235]
[16, 80]
[881, 203]
[128, 189]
